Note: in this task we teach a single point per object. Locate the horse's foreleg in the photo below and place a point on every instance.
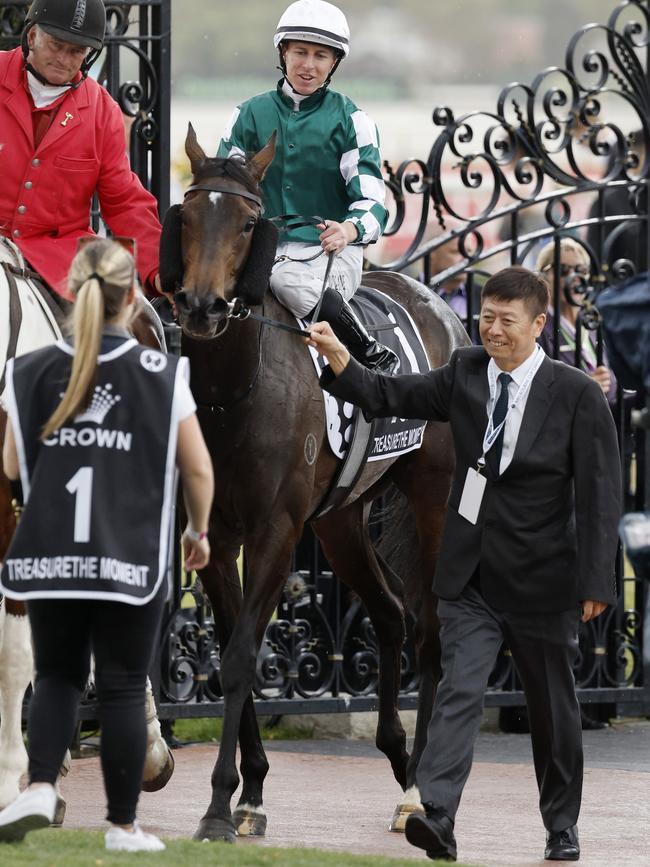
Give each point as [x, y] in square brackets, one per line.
[16, 666]
[348, 549]
[223, 587]
[249, 815]
[237, 674]
[266, 571]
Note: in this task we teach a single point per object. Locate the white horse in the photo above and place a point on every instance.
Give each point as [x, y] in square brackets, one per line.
[28, 321]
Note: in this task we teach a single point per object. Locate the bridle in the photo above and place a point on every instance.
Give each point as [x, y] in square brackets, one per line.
[236, 308]
[213, 188]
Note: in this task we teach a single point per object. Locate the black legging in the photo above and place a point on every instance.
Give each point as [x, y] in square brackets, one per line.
[121, 637]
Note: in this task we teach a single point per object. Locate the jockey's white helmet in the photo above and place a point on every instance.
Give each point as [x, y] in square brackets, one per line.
[314, 21]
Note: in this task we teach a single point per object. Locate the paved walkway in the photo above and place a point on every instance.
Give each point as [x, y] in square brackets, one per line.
[339, 795]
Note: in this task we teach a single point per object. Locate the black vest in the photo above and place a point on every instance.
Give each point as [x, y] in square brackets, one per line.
[100, 492]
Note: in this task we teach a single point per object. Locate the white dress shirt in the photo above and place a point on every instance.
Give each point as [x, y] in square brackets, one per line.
[516, 413]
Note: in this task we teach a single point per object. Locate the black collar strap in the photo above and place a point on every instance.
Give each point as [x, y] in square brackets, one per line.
[212, 188]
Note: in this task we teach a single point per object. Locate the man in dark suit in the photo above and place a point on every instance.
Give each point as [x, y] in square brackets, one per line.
[528, 546]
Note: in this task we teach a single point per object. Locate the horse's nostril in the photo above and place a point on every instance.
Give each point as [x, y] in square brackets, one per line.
[200, 306]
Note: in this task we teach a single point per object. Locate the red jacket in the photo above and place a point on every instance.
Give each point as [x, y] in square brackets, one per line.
[45, 193]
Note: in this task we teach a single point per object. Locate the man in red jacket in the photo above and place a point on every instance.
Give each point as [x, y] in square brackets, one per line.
[62, 140]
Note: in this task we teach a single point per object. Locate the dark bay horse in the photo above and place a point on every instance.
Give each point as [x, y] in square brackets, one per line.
[262, 415]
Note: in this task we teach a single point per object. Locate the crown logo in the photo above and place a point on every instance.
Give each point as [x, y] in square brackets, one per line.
[101, 404]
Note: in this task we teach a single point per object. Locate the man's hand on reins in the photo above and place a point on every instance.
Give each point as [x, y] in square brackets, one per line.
[336, 236]
[327, 343]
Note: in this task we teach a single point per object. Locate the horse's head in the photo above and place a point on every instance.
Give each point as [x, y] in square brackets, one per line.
[217, 223]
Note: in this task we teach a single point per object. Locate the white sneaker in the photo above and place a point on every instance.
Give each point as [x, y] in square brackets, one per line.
[132, 841]
[32, 809]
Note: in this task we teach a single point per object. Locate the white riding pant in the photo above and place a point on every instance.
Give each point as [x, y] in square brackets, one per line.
[298, 285]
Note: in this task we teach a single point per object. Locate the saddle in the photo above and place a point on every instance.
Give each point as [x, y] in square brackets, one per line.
[29, 318]
[354, 439]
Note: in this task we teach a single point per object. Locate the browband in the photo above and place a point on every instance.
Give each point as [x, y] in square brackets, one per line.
[210, 188]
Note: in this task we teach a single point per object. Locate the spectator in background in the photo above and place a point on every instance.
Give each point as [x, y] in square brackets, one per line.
[454, 290]
[574, 285]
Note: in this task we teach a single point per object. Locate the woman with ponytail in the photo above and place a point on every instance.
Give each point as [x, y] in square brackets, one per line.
[98, 428]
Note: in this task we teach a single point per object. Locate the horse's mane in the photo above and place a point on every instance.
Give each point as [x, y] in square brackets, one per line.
[236, 168]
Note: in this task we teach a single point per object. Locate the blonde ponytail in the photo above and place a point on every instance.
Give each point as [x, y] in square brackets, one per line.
[101, 276]
[87, 326]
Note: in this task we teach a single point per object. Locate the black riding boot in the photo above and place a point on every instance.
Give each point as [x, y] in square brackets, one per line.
[351, 332]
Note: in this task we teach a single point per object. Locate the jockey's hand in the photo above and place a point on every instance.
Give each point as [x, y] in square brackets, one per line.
[327, 343]
[603, 378]
[592, 609]
[336, 236]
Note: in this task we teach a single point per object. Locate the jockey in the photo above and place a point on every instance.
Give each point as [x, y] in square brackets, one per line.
[62, 140]
[327, 163]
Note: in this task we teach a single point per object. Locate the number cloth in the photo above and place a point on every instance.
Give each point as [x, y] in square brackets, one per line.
[100, 491]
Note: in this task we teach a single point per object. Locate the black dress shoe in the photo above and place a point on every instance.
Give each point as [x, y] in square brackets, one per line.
[432, 831]
[562, 845]
[589, 724]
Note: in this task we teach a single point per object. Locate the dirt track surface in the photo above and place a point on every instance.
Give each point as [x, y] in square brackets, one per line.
[340, 796]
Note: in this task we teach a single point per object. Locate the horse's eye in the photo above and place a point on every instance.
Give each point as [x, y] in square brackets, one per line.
[250, 225]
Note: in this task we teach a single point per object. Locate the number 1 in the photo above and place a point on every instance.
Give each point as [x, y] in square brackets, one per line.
[81, 484]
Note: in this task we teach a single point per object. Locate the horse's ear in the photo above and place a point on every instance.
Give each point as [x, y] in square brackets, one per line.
[263, 159]
[193, 149]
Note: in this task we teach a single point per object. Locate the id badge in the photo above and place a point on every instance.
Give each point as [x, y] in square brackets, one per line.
[470, 501]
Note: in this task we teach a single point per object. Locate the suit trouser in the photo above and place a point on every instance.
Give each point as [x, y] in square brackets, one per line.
[544, 648]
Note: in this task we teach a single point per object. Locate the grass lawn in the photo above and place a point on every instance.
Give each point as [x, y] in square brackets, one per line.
[55, 848]
[207, 730]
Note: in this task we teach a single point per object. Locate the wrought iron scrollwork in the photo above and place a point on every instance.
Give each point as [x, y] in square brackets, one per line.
[486, 166]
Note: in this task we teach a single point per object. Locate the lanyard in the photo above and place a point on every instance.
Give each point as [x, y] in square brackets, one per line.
[492, 433]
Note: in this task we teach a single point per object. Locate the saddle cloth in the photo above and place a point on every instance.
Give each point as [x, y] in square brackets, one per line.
[391, 436]
[26, 320]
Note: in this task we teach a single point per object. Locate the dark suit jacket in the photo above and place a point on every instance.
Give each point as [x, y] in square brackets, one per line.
[547, 531]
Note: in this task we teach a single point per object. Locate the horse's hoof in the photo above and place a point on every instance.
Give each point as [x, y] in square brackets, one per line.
[215, 829]
[160, 780]
[59, 812]
[401, 814]
[250, 822]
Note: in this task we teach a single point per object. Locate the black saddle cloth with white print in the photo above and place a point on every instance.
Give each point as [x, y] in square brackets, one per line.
[391, 325]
